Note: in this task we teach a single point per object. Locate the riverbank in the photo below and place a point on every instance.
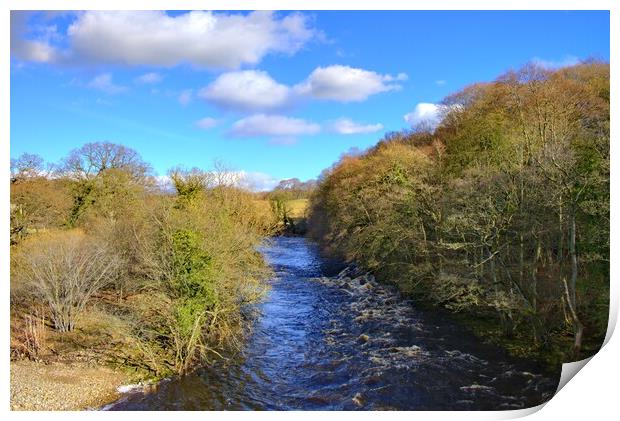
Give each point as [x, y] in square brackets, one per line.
[330, 339]
[547, 357]
[62, 386]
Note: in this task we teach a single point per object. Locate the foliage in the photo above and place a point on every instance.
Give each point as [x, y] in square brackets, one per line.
[169, 274]
[502, 210]
[38, 203]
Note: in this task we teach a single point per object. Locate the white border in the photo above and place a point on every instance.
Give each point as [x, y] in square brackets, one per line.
[311, 5]
[592, 394]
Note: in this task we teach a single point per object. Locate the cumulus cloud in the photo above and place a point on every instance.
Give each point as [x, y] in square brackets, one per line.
[200, 38]
[250, 180]
[37, 49]
[104, 83]
[207, 123]
[256, 90]
[347, 84]
[278, 127]
[425, 113]
[149, 78]
[33, 51]
[257, 181]
[186, 96]
[249, 90]
[347, 126]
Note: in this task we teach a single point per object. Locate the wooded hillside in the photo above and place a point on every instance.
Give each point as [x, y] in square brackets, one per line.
[501, 213]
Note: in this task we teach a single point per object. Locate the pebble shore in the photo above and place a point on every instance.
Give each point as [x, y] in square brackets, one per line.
[62, 387]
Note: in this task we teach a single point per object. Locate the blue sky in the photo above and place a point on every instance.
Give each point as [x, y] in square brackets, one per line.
[276, 95]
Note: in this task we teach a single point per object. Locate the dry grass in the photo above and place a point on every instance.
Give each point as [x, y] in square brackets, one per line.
[29, 335]
[297, 208]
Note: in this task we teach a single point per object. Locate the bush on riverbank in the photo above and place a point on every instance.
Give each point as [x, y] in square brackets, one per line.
[180, 266]
[501, 213]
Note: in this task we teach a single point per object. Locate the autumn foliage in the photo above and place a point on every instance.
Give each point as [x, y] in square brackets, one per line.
[501, 213]
[152, 277]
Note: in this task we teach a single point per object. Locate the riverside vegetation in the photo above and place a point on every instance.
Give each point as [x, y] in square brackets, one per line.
[107, 266]
[499, 214]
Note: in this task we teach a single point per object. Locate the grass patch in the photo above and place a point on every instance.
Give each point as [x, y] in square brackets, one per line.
[296, 208]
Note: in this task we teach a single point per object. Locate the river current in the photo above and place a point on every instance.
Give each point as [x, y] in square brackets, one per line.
[328, 341]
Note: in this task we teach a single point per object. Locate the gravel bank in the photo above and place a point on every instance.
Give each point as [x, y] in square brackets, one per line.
[62, 387]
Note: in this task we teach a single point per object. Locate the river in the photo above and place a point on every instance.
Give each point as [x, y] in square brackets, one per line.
[323, 342]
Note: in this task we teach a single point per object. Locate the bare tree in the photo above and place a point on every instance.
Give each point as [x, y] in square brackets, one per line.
[65, 270]
[26, 166]
[93, 159]
[98, 169]
[223, 176]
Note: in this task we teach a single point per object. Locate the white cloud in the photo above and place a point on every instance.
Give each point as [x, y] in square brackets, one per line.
[207, 123]
[256, 90]
[567, 61]
[249, 90]
[440, 82]
[274, 126]
[185, 97]
[425, 113]
[149, 78]
[346, 84]
[104, 83]
[257, 181]
[38, 49]
[250, 180]
[203, 39]
[347, 126]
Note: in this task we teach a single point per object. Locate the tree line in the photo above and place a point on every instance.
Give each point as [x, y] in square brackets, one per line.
[139, 274]
[499, 214]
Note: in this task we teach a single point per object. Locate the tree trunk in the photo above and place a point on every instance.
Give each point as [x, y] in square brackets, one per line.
[560, 253]
[521, 258]
[571, 294]
[577, 326]
[535, 276]
[504, 321]
[573, 260]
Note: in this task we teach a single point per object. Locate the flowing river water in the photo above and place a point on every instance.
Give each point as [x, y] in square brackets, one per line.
[328, 342]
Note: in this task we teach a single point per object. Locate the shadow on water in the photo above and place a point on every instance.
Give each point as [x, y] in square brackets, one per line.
[327, 342]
